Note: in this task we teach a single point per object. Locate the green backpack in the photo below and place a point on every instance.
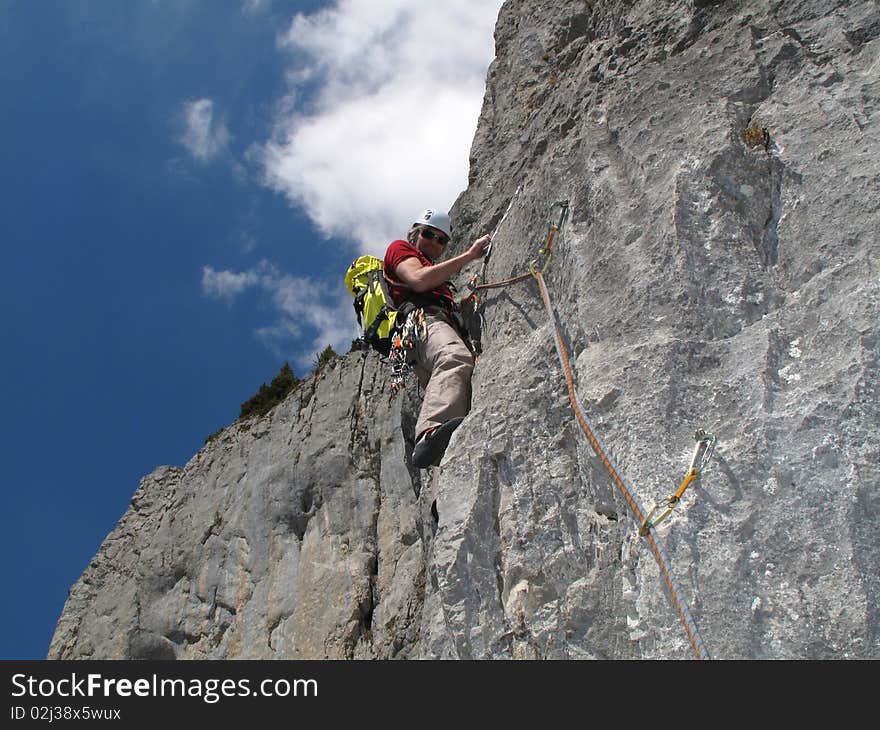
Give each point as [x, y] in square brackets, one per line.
[373, 306]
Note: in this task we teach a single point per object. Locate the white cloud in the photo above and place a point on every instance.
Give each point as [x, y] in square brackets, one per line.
[203, 136]
[394, 90]
[226, 284]
[246, 241]
[303, 308]
[254, 6]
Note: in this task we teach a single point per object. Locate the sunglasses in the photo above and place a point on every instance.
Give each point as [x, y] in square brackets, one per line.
[441, 238]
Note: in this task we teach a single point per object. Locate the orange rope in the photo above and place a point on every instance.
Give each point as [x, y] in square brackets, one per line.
[687, 620]
[496, 284]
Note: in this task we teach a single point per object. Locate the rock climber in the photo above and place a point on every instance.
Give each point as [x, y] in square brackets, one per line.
[442, 359]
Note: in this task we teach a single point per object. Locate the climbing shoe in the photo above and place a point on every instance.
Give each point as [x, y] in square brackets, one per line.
[431, 445]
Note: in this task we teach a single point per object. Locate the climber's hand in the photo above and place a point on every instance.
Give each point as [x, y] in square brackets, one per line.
[480, 247]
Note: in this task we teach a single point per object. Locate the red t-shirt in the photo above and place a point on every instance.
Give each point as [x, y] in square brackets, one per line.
[398, 252]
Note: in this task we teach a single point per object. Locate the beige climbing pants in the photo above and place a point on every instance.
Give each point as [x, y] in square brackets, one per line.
[444, 366]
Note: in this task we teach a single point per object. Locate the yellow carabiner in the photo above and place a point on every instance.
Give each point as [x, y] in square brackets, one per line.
[702, 452]
[648, 523]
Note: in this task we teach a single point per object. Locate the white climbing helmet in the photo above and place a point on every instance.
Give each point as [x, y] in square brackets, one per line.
[435, 218]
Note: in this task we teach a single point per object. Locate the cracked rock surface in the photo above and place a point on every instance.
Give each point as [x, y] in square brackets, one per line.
[718, 269]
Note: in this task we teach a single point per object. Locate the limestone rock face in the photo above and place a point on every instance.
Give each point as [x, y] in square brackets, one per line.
[717, 269]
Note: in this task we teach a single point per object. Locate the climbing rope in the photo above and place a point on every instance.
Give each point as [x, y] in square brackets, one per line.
[702, 452]
[495, 231]
[687, 620]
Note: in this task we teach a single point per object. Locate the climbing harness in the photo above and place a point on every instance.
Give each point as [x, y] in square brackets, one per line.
[702, 453]
[403, 341]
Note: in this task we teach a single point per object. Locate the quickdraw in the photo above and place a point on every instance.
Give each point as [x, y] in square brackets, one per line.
[702, 453]
[405, 339]
[546, 253]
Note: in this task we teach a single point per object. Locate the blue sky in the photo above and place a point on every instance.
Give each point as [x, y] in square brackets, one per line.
[184, 183]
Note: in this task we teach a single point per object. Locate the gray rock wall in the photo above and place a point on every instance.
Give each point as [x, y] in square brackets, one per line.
[296, 535]
[718, 269]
